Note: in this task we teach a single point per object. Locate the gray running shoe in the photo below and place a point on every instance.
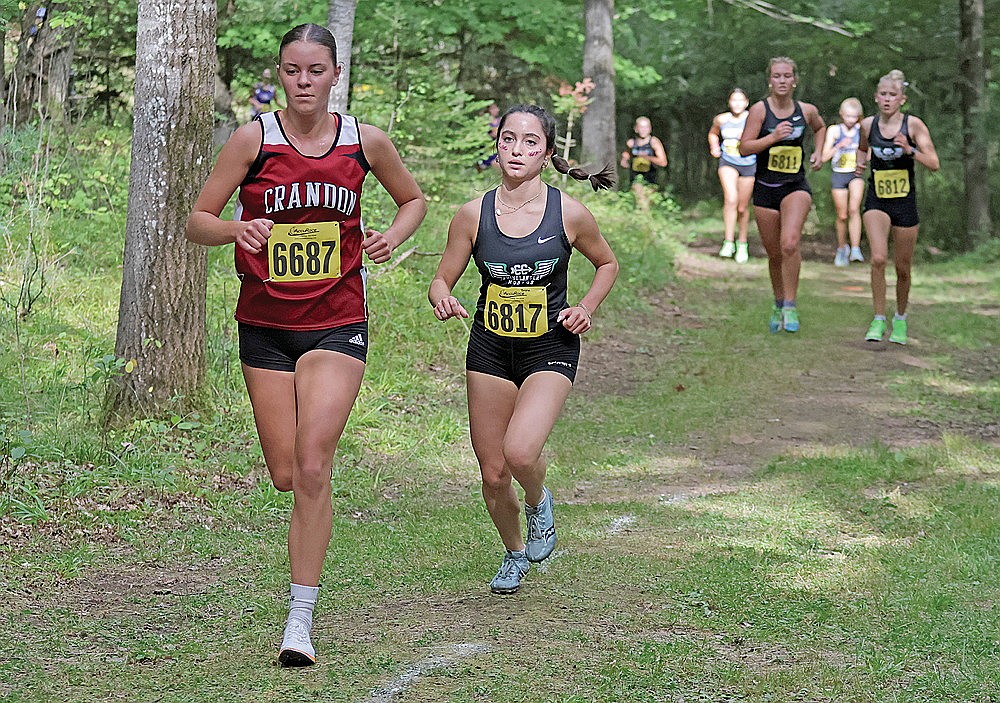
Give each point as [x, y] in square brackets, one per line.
[508, 579]
[541, 529]
[296, 647]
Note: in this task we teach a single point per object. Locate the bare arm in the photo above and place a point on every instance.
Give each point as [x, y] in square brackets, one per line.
[388, 168]
[715, 137]
[659, 153]
[585, 236]
[750, 143]
[818, 126]
[828, 144]
[204, 226]
[925, 153]
[863, 146]
[454, 261]
[626, 154]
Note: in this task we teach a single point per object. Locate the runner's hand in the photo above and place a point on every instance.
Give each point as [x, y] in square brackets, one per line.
[447, 307]
[252, 235]
[377, 246]
[575, 319]
[783, 130]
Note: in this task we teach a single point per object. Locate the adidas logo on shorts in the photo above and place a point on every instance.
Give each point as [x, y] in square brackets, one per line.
[358, 339]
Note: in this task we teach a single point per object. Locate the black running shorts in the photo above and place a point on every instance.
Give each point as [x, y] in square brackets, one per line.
[770, 197]
[902, 212]
[516, 358]
[278, 350]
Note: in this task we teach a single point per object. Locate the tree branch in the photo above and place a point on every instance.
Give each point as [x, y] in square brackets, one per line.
[781, 15]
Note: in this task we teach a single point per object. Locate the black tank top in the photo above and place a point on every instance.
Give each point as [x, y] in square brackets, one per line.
[782, 162]
[641, 154]
[523, 278]
[892, 168]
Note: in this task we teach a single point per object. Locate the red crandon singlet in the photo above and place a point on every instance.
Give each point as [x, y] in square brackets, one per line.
[291, 189]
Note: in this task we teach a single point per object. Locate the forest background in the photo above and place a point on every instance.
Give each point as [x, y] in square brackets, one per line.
[770, 518]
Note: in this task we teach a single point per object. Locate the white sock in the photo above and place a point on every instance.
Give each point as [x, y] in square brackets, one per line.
[880, 317]
[897, 316]
[303, 600]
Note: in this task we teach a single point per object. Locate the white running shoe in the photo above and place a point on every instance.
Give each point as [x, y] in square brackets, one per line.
[841, 258]
[296, 647]
[728, 249]
[856, 254]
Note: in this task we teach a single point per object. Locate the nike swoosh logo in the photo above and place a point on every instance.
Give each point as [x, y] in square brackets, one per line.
[796, 118]
[542, 241]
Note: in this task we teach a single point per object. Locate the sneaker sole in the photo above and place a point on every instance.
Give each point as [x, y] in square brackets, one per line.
[504, 591]
[873, 339]
[899, 342]
[293, 657]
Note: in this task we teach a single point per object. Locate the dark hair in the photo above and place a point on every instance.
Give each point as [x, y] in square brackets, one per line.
[602, 179]
[312, 33]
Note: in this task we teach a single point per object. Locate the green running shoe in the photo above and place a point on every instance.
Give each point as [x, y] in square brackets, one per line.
[508, 579]
[775, 324]
[790, 319]
[876, 330]
[898, 335]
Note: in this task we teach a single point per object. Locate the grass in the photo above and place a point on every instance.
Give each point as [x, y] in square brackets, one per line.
[743, 517]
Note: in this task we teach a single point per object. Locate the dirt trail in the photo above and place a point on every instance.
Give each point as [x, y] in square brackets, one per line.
[844, 402]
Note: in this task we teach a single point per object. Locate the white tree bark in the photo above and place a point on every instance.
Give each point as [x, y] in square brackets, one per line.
[598, 122]
[340, 22]
[161, 318]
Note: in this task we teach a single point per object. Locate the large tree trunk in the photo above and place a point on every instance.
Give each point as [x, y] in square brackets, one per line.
[975, 144]
[161, 319]
[598, 124]
[340, 21]
[41, 76]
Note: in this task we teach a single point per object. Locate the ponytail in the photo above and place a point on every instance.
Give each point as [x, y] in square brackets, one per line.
[603, 179]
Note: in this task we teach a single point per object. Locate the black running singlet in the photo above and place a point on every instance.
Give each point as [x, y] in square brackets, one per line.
[523, 278]
[892, 167]
[782, 162]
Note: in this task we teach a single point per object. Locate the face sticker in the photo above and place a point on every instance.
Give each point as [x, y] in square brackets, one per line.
[534, 153]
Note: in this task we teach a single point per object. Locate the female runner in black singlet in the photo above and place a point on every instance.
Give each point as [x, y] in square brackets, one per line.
[894, 142]
[524, 345]
[775, 132]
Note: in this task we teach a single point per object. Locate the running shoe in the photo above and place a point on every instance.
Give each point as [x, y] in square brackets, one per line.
[508, 579]
[876, 330]
[856, 254]
[541, 529]
[775, 323]
[790, 319]
[727, 250]
[898, 335]
[841, 258]
[742, 252]
[296, 647]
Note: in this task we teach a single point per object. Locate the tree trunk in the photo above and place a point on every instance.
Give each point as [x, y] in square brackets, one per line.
[41, 73]
[161, 319]
[340, 21]
[598, 124]
[975, 145]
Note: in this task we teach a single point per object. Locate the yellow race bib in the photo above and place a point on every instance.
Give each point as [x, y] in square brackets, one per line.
[641, 164]
[785, 159]
[306, 252]
[731, 146]
[892, 183]
[516, 311]
[847, 161]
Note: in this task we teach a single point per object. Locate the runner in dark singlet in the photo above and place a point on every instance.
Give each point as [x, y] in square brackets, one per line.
[524, 344]
[894, 142]
[775, 131]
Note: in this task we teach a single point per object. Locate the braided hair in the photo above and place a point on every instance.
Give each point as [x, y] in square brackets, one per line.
[602, 179]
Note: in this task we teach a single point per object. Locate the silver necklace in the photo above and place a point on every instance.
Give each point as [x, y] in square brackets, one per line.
[513, 209]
